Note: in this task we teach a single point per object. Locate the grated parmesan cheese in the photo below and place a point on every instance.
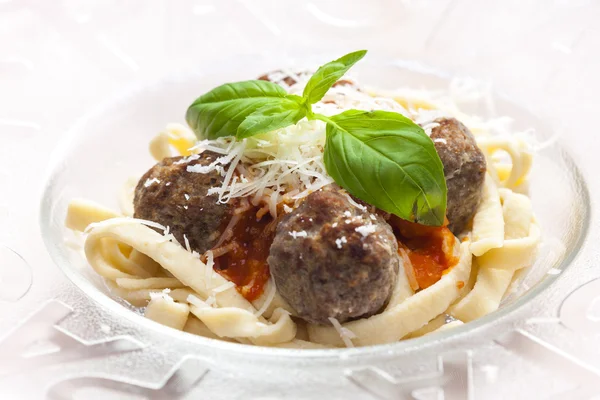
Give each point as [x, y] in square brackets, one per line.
[211, 301]
[161, 295]
[269, 299]
[196, 301]
[150, 182]
[287, 163]
[354, 203]
[226, 286]
[187, 243]
[188, 159]
[295, 234]
[210, 263]
[366, 230]
[150, 224]
[340, 241]
[345, 334]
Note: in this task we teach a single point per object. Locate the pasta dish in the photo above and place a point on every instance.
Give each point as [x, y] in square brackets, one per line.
[304, 210]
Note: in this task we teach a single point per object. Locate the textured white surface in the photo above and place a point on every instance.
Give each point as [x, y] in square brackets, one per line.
[59, 60]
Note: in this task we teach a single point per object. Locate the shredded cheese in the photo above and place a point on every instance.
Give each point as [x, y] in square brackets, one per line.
[161, 295]
[354, 203]
[345, 334]
[187, 243]
[150, 182]
[366, 230]
[269, 299]
[287, 164]
[226, 286]
[340, 241]
[270, 167]
[210, 263]
[408, 269]
[295, 234]
[196, 301]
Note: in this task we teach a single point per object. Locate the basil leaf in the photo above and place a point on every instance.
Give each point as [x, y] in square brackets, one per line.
[220, 112]
[386, 160]
[329, 74]
[271, 117]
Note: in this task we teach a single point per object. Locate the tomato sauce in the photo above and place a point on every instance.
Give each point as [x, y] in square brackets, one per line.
[429, 248]
[246, 263]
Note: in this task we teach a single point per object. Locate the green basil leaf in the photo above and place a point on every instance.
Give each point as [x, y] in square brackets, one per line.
[220, 112]
[271, 117]
[386, 160]
[329, 74]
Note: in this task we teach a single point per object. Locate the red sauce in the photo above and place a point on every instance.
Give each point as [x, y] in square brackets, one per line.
[246, 264]
[429, 248]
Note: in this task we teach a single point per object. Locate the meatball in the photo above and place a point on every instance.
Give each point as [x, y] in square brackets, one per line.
[170, 195]
[464, 168]
[279, 76]
[332, 259]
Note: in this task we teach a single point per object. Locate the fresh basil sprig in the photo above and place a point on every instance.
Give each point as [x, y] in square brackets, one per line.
[385, 159]
[328, 74]
[272, 116]
[221, 111]
[381, 157]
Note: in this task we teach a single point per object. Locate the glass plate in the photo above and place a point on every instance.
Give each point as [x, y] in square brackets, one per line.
[540, 58]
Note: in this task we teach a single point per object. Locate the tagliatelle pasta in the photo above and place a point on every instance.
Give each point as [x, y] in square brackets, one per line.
[520, 155]
[164, 310]
[174, 136]
[497, 266]
[405, 317]
[82, 213]
[488, 224]
[233, 311]
[435, 281]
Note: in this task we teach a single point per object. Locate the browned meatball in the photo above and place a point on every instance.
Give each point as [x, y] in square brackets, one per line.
[172, 196]
[290, 81]
[464, 168]
[330, 258]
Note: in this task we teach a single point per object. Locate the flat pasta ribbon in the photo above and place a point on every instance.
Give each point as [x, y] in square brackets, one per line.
[165, 311]
[488, 224]
[405, 317]
[187, 268]
[176, 136]
[520, 155]
[139, 262]
[497, 266]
